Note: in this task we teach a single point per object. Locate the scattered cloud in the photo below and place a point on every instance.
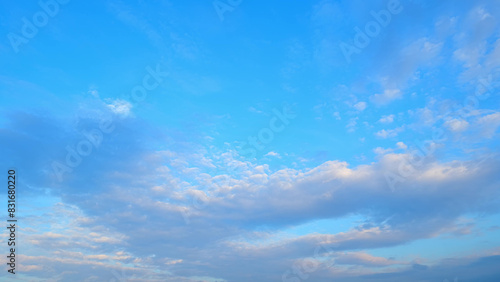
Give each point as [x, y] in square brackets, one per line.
[489, 124]
[351, 125]
[387, 119]
[456, 125]
[401, 145]
[120, 107]
[360, 106]
[165, 196]
[387, 96]
[388, 133]
[272, 154]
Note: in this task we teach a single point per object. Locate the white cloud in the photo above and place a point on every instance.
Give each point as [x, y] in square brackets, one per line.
[351, 125]
[120, 107]
[388, 133]
[122, 194]
[489, 124]
[360, 106]
[361, 258]
[426, 117]
[404, 68]
[456, 125]
[387, 119]
[474, 44]
[94, 93]
[254, 110]
[272, 154]
[382, 151]
[388, 96]
[256, 196]
[401, 145]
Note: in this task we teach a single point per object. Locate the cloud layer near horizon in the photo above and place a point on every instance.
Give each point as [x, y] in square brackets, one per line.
[387, 171]
[172, 211]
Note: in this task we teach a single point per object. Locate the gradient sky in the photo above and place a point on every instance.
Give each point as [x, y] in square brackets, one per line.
[253, 140]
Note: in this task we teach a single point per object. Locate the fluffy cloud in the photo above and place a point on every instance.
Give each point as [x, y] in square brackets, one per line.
[387, 96]
[489, 124]
[120, 107]
[388, 133]
[272, 154]
[387, 119]
[191, 217]
[456, 125]
[360, 106]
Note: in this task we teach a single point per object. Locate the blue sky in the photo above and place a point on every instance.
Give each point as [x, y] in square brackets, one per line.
[253, 140]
